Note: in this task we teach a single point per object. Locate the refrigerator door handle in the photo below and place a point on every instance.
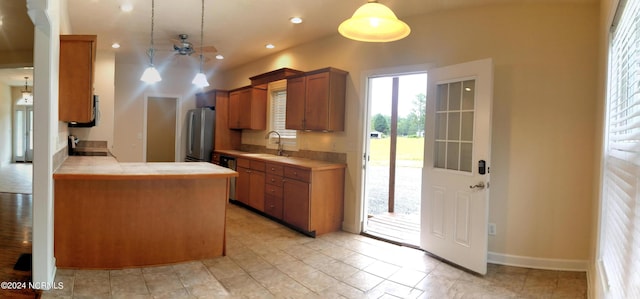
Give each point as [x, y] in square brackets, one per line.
[190, 134]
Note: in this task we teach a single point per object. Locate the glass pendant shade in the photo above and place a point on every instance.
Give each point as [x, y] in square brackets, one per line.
[151, 75]
[200, 80]
[374, 22]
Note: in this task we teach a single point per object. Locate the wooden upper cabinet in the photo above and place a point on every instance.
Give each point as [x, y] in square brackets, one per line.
[76, 76]
[295, 103]
[248, 108]
[318, 100]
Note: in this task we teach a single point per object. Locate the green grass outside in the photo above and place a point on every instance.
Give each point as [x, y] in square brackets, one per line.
[410, 151]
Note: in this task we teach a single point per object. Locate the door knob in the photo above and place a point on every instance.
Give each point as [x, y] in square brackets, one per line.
[478, 186]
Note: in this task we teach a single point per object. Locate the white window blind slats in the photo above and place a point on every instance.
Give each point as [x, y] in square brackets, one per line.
[619, 245]
[278, 119]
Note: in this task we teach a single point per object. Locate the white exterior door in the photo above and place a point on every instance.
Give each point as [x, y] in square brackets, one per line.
[455, 195]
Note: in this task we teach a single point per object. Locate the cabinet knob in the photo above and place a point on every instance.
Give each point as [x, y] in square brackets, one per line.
[272, 206]
[273, 190]
[273, 180]
[273, 169]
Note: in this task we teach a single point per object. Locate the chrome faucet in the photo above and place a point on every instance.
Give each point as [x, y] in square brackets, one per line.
[279, 142]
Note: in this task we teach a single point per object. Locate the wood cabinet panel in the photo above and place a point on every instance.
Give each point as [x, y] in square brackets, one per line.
[256, 190]
[273, 179]
[273, 206]
[316, 101]
[296, 203]
[297, 174]
[243, 183]
[248, 108]
[295, 103]
[274, 190]
[76, 76]
[225, 138]
[275, 169]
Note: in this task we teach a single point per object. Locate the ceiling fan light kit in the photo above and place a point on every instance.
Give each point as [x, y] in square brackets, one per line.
[374, 22]
[151, 75]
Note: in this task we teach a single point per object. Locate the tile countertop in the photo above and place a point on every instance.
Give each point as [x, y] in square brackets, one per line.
[78, 167]
[294, 161]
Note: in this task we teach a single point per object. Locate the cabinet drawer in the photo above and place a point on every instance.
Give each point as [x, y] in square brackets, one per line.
[273, 206]
[273, 179]
[297, 174]
[275, 169]
[243, 163]
[257, 165]
[273, 191]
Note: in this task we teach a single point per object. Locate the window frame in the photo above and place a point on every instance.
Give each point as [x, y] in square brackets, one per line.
[289, 142]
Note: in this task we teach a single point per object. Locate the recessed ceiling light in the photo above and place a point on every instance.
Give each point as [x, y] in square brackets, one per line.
[296, 20]
[467, 88]
[126, 7]
[115, 45]
[269, 46]
[219, 57]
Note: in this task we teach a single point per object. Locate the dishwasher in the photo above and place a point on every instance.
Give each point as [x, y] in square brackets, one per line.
[230, 162]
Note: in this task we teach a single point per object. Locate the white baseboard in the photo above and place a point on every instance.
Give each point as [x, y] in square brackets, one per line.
[538, 263]
[351, 228]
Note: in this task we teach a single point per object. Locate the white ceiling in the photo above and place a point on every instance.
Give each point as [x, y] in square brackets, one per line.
[239, 29]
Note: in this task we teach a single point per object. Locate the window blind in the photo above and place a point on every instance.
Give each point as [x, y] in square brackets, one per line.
[619, 245]
[278, 118]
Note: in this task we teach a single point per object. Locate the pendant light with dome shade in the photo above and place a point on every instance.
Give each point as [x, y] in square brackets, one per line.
[151, 74]
[374, 22]
[200, 80]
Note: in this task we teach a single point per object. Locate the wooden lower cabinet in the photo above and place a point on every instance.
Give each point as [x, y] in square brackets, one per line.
[273, 206]
[250, 183]
[242, 185]
[308, 197]
[296, 203]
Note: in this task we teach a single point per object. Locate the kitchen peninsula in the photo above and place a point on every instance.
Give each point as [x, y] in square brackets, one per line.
[111, 215]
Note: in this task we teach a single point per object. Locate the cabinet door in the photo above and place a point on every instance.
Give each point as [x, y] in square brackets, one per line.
[234, 110]
[296, 203]
[256, 190]
[317, 102]
[244, 109]
[243, 185]
[77, 58]
[295, 103]
[224, 137]
[273, 206]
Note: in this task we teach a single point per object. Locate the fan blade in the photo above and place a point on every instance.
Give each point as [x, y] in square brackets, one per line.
[207, 49]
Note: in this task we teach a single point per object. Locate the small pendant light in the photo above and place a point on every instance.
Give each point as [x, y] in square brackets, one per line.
[200, 80]
[151, 75]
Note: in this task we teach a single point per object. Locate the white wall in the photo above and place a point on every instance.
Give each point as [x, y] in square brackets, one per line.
[104, 87]
[544, 115]
[129, 106]
[47, 141]
[5, 125]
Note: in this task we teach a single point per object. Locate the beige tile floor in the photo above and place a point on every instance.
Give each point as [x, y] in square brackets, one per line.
[267, 260]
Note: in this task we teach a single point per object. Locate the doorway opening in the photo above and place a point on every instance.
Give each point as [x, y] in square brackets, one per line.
[394, 149]
[23, 132]
[161, 129]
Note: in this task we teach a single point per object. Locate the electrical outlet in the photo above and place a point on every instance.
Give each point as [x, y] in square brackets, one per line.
[492, 229]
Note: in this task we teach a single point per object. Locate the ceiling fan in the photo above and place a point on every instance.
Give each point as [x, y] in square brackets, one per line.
[184, 47]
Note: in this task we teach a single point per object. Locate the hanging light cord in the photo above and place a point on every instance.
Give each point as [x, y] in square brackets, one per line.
[151, 50]
[201, 36]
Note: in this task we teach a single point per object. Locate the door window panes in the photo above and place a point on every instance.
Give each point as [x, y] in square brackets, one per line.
[455, 102]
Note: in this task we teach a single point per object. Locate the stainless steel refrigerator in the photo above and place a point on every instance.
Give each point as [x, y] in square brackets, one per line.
[200, 134]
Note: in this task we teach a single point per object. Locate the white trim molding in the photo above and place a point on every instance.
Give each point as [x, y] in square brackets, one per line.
[537, 263]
